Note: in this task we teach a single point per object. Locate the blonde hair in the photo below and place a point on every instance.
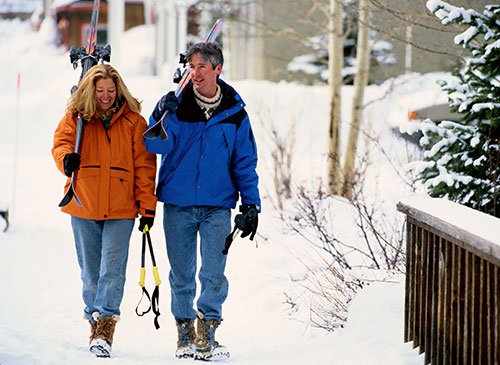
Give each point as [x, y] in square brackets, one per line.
[83, 100]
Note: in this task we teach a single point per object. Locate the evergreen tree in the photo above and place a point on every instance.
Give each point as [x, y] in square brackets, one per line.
[462, 160]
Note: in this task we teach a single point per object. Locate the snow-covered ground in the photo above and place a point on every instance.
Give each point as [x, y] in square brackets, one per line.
[41, 309]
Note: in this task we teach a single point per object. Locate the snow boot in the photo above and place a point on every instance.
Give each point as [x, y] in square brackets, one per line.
[100, 345]
[186, 335]
[206, 348]
[93, 328]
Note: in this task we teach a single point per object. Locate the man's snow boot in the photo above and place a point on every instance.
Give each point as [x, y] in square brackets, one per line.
[100, 345]
[186, 335]
[206, 348]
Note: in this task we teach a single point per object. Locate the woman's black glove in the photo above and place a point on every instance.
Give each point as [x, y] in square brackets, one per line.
[168, 102]
[248, 220]
[146, 221]
[71, 163]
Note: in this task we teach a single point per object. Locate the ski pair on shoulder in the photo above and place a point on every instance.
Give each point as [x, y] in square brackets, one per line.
[89, 55]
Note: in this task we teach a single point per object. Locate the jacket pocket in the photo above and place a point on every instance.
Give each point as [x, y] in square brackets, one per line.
[121, 191]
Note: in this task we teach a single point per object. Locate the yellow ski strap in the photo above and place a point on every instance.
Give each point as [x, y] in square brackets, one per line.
[154, 299]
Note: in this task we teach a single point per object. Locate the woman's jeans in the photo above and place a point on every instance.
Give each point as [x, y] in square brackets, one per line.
[102, 250]
[182, 225]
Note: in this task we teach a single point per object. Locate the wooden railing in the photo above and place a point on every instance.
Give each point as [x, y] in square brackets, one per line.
[452, 298]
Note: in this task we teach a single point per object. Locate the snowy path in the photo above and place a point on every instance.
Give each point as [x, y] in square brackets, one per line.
[41, 324]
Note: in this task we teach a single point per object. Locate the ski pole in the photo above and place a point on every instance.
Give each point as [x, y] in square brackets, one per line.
[154, 298]
[241, 227]
[16, 151]
[229, 240]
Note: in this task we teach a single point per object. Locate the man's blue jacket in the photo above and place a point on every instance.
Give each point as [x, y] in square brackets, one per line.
[207, 162]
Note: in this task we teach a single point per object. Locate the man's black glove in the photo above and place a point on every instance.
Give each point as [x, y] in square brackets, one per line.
[71, 163]
[248, 220]
[168, 102]
[146, 221]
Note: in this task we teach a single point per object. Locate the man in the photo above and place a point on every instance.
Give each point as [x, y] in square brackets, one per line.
[208, 160]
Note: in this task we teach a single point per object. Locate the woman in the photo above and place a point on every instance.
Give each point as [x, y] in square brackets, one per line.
[116, 182]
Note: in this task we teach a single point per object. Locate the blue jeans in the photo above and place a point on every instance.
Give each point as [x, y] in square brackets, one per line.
[182, 225]
[102, 250]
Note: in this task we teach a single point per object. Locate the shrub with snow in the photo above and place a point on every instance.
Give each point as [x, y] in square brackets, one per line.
[462, 160]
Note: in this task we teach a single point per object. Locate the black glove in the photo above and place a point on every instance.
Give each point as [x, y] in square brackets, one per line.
[168, 102]
[71, 163]
[146, 221]
[248, 220]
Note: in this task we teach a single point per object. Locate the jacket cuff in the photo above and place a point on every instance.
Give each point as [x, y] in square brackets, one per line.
[147, 212]
[257, 206]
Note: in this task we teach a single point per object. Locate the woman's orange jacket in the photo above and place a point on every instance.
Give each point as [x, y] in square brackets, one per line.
[117, 175]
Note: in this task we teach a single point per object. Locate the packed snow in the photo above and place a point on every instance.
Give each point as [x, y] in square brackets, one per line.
[485, 227]
[41, 308]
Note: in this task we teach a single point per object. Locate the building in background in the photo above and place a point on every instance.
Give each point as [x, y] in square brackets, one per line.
[171, 18]
[73, 19]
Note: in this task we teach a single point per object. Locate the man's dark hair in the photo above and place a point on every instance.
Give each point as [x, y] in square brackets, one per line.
[210, 52]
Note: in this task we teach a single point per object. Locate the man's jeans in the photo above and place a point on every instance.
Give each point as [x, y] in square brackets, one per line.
[102, 250]
[182, 225]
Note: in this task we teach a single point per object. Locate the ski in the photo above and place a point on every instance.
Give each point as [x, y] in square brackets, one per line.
[157, 129]
[89, 56]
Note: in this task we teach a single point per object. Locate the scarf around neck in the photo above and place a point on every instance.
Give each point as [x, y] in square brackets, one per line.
[106, 116]
[208, 105]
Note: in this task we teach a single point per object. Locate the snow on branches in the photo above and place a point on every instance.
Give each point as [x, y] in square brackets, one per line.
[462, 159]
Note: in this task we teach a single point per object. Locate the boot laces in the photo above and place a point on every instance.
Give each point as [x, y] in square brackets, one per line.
[186, 333]
[105, 329]
[207, 334]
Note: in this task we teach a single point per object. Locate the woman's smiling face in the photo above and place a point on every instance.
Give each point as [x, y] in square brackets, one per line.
[105, 93]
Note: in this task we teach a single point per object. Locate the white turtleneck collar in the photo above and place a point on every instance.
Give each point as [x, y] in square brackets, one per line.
[208, 105]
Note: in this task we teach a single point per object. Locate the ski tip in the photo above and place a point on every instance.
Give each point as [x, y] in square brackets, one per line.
[77, 200]
[70, 194]
[153, 132]
[217, 23]
[67, 197]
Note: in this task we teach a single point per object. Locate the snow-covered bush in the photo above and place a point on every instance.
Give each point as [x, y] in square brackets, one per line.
[353, 242]
[462, 160]
[351, 233]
